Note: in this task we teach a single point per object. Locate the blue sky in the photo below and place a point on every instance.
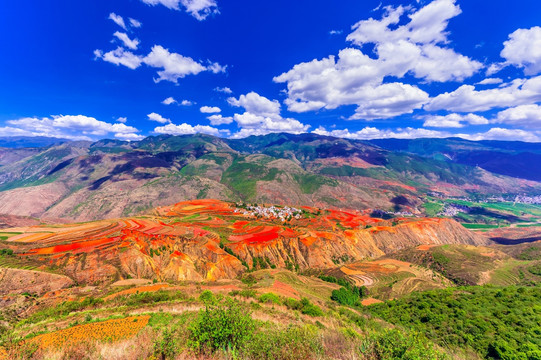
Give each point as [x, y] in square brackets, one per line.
[359, 69]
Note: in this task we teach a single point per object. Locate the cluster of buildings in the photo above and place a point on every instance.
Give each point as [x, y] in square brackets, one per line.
[272, 212]
[454, 209]
[536, 200]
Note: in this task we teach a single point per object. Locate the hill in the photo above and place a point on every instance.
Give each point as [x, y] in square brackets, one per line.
[212, 240]
[81, 181]
[211, 279]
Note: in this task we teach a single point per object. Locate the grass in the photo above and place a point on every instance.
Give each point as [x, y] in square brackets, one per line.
[480, 226]
[432, 208]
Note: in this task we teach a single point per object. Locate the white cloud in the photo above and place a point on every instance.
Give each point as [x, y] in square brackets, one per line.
[454, 120]
[135, 23]
[118, 20]
[129, 43]
[210, 109]
[170, 100]
[129, 137]
[224, 90]
[335, 32]
[523, 49]
[157, 117]
[369, 133]
[467, 99]
[186, 129]
[256, 104]
[199, 9]
[490, 81]
[503, 134]
[354, 78]
[216, 68]
[122, 120]
[174, 65]
[68, 126]
[220, 120]
[119, 56]
[262, 116]
[528, 116]
[187, 103]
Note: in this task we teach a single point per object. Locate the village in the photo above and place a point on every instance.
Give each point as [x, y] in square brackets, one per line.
[283, 214]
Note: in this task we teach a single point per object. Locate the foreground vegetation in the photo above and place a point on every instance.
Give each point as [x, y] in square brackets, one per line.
[465, 322]
[498, 323]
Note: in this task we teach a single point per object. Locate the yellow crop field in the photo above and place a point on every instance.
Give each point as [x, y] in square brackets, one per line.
[110, 330]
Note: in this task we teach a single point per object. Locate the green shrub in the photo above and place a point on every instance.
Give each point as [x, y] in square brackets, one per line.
[394, 344]
[310, 309]
[207, 296]
[167, 346]
[270, 298]
[345, 297]
[293, 343]
[293, 304]
[220, 326]
[494, 321]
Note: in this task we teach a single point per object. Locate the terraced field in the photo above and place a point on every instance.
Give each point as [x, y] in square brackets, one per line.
[211, 240]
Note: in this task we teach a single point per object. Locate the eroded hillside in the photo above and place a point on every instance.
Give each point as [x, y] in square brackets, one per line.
[211, 239]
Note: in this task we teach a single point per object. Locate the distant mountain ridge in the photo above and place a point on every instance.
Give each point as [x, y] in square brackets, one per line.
[82, 181]
[17, 142]
[511, 158]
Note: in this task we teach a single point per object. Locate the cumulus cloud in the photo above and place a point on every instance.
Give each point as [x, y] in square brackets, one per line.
[335, 32]
[224, 90]
[170, 100]
[369, 133]
[523, 49]
[157, 117]
[129, 43]
[122, 119]
[199, 9]
[262, 116]
[416, 48]
[76, 127]
[454, 120]
[504, 134]
[119, 56]
[174, 65]
[210, 109]
[528, 116]
[490, 81]
[186, 129]
[220, 120]
[129, 137]
[187, 103]
[119, 20]
[467, 99]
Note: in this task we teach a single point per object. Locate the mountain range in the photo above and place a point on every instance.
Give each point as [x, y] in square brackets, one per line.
[79, 181]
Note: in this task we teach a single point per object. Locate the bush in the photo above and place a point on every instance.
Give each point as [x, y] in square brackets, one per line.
[394, 344]
[269, 298]
[293, 343]
[305, 306]
[207, 296]
[219, 326]
[345, 297]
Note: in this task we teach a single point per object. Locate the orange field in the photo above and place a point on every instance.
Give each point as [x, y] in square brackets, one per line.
[110, 330]
[187, 241]
[140, 289]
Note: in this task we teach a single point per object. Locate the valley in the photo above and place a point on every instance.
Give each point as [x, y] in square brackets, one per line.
[333, 248]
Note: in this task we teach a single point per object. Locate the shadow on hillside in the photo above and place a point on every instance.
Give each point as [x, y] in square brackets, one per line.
[507, 241]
